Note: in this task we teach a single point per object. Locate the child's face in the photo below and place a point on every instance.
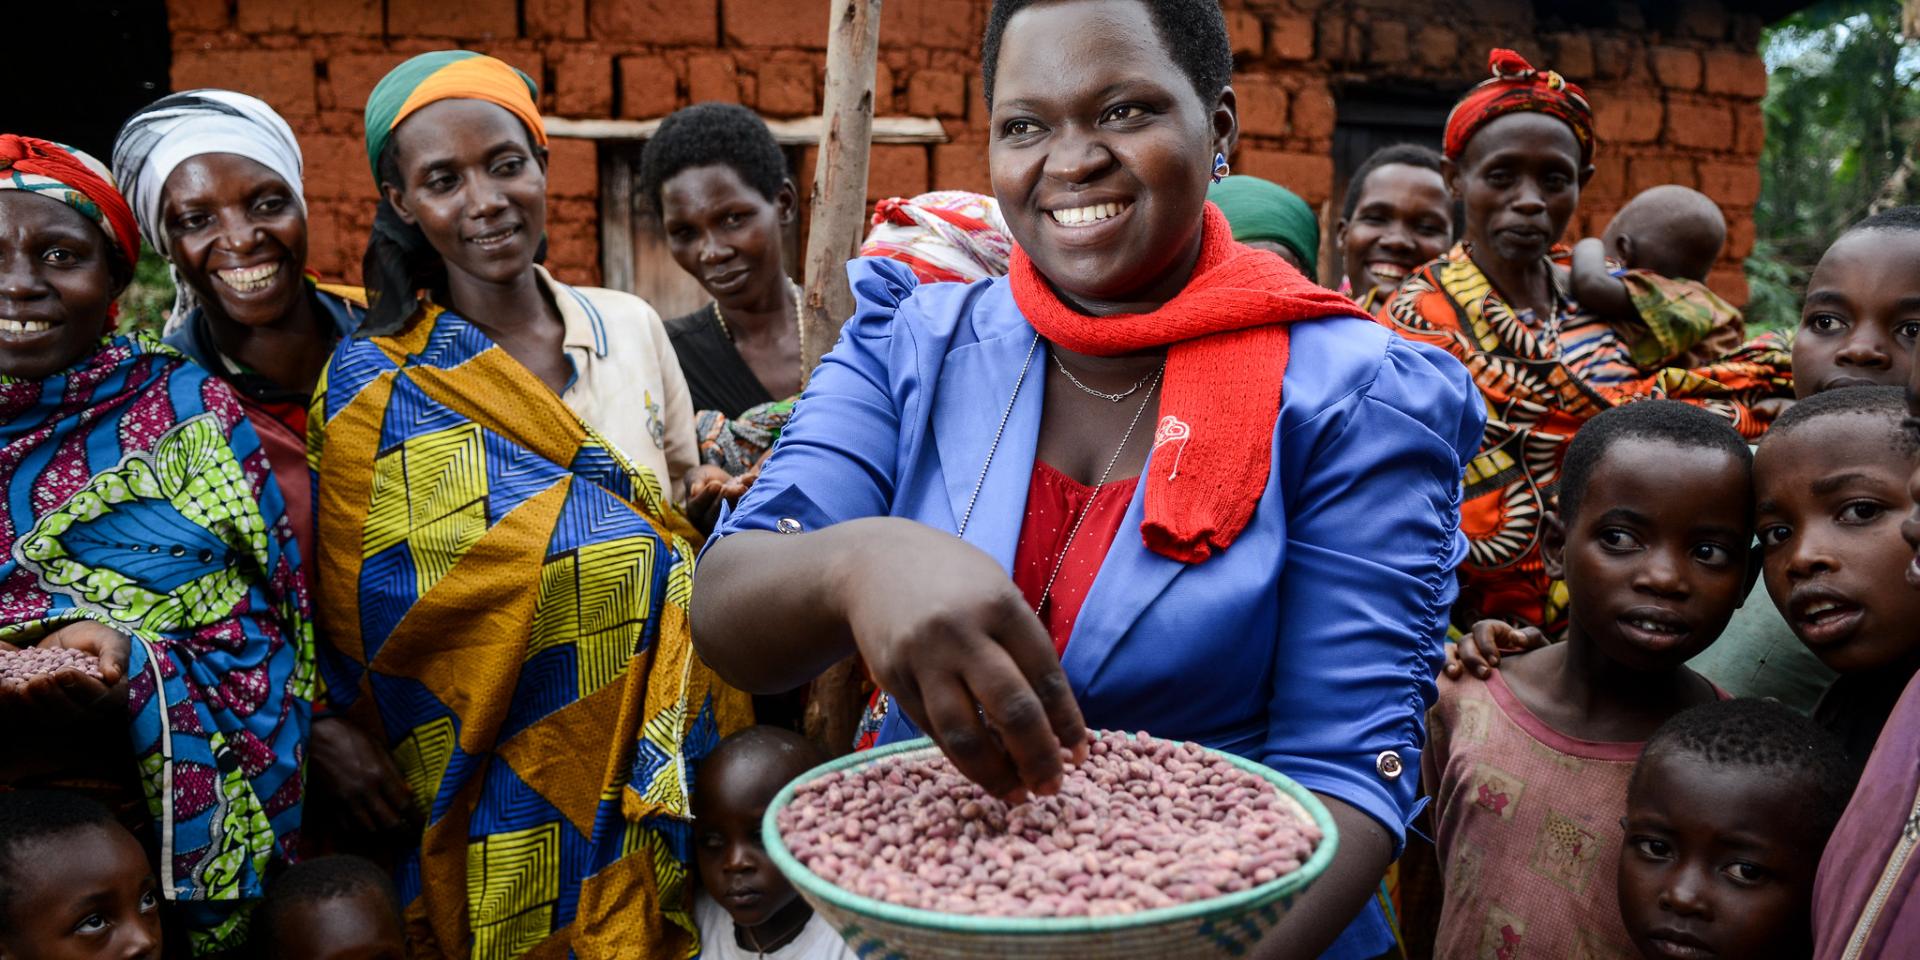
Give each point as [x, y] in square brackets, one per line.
[1831, 497]
[1862, 313]
[728, 803]
[1656, 559]
[359, 926]
[1713, 864]
[96, 899]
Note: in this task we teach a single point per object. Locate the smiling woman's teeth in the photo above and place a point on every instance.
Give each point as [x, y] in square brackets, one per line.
[493, 239]
[1387, 271]
[1079, 216]
[249, 279]
[24, 326]
[1652, 627]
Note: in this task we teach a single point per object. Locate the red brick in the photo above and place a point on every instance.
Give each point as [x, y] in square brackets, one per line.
[937, 93]
[941, 24]
[1704, 125]
[1740, 235]
[648, 87]
[184, 15]
[1339, 36]
[1675, 68]
[1291, 38]
[961, 166]
[328, 246]
[1705, 19]
[1263, 106]
[656, 22]
[461, 18]
[283, 78]
[1730, 184]
[1609, 180]
[1615, 58]
[1624, 118]
[787, 88]
[583, 84]
[896, 170]
[1644, 173]
[883, 89]
[1736, 74]
[1387, 42]
[1308, 174]
[1573, 56]
[336, 167]
[266, 16]
[351, 77]
[1750, 129]
[555, 19]
[573, 168]
[712, 76]
[777, 23]
[573, 241]
[1313, 112]
[1439, 49]
[1247, 33]
[1730, 283]
[310, 17]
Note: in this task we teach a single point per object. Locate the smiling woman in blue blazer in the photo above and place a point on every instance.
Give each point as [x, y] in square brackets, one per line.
[1276, 583]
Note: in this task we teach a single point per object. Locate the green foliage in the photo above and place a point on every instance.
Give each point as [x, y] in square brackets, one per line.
[1842, 119]
[149, 298]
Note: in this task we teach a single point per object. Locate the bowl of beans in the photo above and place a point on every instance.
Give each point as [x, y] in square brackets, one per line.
[1151, 849]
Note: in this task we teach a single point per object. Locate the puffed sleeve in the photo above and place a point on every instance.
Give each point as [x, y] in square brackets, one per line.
[837, 458]
[1373, 538]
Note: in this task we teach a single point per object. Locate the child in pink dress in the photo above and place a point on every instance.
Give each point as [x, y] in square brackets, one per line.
[1528, 768]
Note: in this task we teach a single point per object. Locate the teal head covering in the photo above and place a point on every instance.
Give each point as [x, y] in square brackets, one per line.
[1262, 210]
[444, 75]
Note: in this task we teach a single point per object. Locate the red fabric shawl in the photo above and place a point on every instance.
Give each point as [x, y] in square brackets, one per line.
[1226, 335]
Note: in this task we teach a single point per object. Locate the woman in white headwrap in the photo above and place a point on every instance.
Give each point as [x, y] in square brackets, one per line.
[213, 177]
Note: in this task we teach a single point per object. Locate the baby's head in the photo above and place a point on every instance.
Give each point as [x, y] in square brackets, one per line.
[1861, 316]
[330, 908]
[73, 882]
[730, 795]
[1653, 531]
[1669, 230]
[1727, 813]
[1831, 484]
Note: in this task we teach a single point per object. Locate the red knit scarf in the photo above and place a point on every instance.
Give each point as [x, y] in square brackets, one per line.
[1226, 336]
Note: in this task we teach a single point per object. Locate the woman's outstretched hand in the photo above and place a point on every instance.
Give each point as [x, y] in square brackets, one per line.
[1479, 651]
[70, 695]
[951, 638]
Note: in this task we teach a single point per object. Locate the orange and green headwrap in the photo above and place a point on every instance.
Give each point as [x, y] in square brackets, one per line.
[448, 75]
[1516, 87]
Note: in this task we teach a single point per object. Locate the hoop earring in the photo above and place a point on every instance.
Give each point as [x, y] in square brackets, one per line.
[1220, 170]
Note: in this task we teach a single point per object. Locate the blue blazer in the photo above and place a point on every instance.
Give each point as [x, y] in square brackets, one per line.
[1310, 644]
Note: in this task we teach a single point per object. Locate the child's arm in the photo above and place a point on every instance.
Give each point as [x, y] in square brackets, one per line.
[1595, 287]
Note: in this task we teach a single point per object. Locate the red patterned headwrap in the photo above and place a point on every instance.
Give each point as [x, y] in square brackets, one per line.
[62, 173]
[1516, 87]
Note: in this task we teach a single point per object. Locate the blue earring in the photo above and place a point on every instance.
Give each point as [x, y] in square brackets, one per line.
[1219, 167]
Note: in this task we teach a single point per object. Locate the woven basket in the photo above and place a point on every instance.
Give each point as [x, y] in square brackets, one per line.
[1226, 926]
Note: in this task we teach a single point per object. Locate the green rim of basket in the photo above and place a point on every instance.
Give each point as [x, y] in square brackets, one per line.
[813, 885]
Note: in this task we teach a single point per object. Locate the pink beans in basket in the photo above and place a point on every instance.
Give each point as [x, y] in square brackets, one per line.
[1142, 824]
[34, 661]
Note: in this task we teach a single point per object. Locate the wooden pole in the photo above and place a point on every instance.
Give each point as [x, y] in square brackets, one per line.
[839, 203]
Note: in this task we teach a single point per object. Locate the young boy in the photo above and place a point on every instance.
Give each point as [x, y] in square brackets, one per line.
[330, 908]
[1665, 241]
[745, 908]
[1861, 316]
[1528, 768]
[1831, 482]
[1727, 812]
[73, 882]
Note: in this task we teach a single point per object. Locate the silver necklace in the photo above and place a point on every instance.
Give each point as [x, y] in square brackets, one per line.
[1152, 383]
[1091, 392]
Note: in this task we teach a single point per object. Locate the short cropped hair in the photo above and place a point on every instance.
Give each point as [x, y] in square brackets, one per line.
[312, 881]
[1895, 218]
[1886, 402]
[712, 133]
[1193, 32]
[1762, 735]
[1669, 421]
[30, 817]
[1404, 154]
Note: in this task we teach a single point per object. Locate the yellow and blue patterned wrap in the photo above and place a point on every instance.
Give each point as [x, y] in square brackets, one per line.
[505, 610]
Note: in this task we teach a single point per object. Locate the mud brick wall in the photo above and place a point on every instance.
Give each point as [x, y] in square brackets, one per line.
[1676, 86]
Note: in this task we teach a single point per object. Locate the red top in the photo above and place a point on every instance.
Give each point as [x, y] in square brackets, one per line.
[1053, 500]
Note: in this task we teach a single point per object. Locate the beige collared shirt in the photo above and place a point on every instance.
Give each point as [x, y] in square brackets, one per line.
[626, 380]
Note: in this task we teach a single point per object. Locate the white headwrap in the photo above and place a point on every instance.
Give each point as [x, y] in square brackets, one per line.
[179, 127]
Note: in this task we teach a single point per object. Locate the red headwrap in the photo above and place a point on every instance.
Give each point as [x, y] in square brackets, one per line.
[1517, 87]
[62, 173]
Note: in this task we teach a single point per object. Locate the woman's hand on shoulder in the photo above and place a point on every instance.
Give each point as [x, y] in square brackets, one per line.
[1480, 650]
[952, 639]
